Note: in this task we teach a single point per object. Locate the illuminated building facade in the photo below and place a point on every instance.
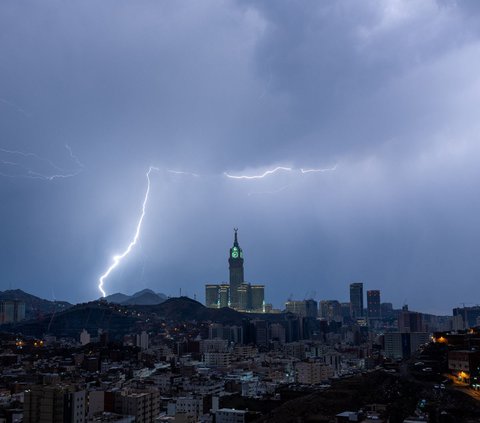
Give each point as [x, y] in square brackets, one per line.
[211, 295]
[235, 266]
[464, 365]
[238, 294]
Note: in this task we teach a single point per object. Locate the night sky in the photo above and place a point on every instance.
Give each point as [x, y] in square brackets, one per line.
[384, 96]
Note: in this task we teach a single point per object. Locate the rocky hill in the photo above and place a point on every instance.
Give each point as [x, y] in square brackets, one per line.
[35, 307]
[120, 319]
[143, 297]
[186, 309]
[69, 323]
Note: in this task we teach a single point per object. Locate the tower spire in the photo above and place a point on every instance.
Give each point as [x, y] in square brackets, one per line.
[235, 241]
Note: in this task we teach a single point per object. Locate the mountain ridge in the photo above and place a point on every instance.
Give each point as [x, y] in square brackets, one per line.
[118, 319]
[143, 297]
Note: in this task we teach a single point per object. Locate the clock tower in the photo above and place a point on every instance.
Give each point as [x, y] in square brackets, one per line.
[235, 264]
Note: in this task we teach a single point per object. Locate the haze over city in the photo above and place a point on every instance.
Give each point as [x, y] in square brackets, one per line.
[369, 109]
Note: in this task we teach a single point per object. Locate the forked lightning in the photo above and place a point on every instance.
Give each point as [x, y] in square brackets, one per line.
[119, 257]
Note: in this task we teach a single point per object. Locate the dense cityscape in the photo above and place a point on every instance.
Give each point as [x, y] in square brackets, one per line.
[239, 211]
[148, 358]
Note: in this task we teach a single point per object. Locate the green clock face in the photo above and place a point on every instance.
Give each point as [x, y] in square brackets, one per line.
[235, 252]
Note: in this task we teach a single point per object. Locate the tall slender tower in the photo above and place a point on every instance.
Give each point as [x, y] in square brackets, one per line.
[356, 299]
[235, 265]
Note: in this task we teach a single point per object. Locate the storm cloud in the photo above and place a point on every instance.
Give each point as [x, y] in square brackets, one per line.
[388, 92]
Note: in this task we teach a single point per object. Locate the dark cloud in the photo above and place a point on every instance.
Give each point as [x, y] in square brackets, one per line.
[388, 91]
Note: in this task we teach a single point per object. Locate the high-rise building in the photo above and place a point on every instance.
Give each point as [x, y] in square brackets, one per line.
[373, 304]
[331, 310]
[258, 297]
[11, 311]
[356, 299]
[235, 264]
[346, 310]
[403, 344]
[468, 314]
[211, 295]
[54, 404]
[217, 296]
[223, 295]
[410, 321]
[303, 308]
[261, 332]
[142, 340]
[238, 294]
[386, 310]
[244, 297]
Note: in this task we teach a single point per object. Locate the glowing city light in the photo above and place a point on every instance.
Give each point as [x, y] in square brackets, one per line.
[119, 257]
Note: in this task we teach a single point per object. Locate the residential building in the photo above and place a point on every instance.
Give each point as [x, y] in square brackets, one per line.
[54, 404]
[312, 372]
[373, 304]
[403, 344]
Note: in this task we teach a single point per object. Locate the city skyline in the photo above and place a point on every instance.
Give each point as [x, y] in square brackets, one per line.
[239, 211]
[342, 140]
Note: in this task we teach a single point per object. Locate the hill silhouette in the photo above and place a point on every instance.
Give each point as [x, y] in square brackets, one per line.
[34, 306]
[120, 319]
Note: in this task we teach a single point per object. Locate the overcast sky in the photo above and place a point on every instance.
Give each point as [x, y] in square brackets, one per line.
[382, 95]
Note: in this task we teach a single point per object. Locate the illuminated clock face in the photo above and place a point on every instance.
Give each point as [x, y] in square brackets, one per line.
[235, 252]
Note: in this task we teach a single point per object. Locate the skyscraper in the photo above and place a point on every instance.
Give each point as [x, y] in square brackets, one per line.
[237, 294]
[235, 264]
[373, 304]
[244, 293]
[258, 297]
[212, 295]
[304, 308]
[356, 299]
[410, 321]
[331, 310]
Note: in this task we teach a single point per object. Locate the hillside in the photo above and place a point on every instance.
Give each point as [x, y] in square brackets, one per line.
[34, 306]
[143, 297]
[69, 323]
[186, 309]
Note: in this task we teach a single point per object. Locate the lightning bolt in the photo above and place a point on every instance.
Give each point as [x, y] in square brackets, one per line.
[16, 107]
[328, 169]
[266, 173]
[279, 168]
[179, 172]
[74, 157]
[32, 174]
[118, 258]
